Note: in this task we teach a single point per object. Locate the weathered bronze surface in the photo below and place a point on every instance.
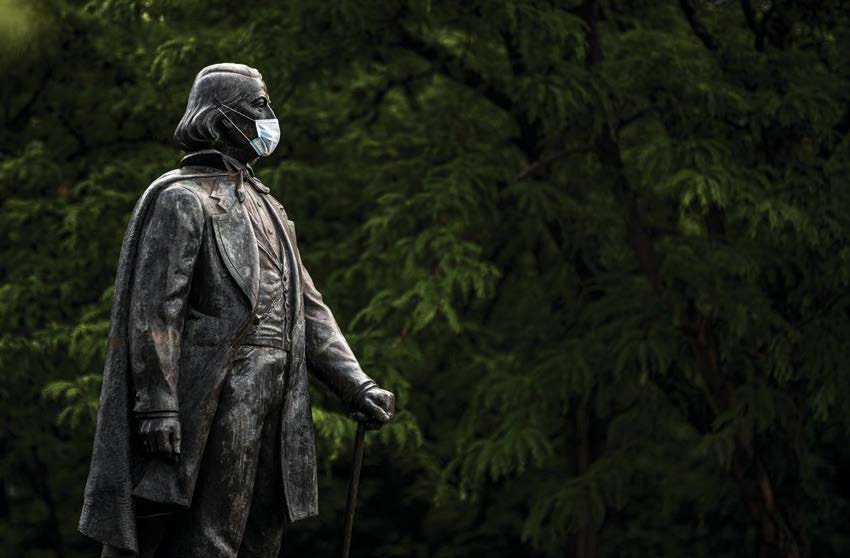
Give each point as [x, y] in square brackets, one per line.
[205, 444]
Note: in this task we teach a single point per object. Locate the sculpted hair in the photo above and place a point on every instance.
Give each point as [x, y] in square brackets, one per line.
[219, 83]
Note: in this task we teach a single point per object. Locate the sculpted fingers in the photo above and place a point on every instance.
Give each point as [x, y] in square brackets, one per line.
[145, 437]
[390, 403]
[378, 404]
[175, 439]
[160, 436]
[163, 442]
[385, 400]
[376, 412]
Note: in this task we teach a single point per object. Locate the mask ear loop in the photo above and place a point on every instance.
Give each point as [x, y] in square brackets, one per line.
[243, 115]
[232, 122]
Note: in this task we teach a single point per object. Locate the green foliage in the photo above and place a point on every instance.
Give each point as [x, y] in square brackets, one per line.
[598, 249]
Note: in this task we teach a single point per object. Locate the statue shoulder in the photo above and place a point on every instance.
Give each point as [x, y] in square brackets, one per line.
[180, 193]
[171, 193]
[184, 186]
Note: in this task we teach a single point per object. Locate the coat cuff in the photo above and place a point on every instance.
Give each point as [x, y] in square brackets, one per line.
[155, 414]
[359, 393]
[154, 401]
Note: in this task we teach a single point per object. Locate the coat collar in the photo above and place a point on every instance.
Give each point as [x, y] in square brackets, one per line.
[238, 172]
[215, 159]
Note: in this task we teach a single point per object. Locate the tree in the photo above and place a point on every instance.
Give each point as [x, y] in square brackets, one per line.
[598, 248]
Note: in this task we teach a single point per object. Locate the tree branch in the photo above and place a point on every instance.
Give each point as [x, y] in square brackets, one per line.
[23, 113]
[588, 12]
[750, 15]
[539, 166]
[625, 122]
[452, 67]
[697, 27]
[839, 132]
[754, 24]
[514, 54]
[757, 488]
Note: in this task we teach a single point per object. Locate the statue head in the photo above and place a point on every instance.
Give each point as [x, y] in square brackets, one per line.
[225, 104]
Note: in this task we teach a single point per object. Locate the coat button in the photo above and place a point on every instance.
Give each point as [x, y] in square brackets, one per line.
[256, 319]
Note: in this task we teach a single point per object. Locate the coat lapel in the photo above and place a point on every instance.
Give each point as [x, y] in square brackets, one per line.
[290, 247]
[288, 229]
[236, 241]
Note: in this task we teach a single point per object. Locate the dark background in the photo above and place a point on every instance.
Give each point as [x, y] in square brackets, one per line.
[599, 250]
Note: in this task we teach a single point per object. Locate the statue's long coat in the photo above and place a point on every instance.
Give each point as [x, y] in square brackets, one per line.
[185, 292]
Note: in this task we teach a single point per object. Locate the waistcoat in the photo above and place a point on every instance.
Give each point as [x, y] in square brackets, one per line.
[269, 328]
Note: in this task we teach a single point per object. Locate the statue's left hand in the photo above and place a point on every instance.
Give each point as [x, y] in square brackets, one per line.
[161, 436]
[377, 404]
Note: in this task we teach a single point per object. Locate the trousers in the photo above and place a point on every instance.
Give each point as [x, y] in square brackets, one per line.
[238, 508]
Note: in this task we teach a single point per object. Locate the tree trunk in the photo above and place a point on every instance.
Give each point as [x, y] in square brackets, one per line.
[586, 539]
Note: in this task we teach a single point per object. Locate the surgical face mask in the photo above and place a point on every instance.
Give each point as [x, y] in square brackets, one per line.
[268, 132]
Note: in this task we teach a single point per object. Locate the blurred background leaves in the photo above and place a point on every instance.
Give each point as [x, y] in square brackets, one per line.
[598, 249]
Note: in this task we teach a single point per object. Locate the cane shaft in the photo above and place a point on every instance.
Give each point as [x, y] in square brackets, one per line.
[352, 489]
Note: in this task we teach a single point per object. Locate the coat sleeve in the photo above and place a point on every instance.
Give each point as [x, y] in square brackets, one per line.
[329, 357]
[168, 248]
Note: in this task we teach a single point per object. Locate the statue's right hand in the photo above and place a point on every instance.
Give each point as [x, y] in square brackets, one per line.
[161, 436]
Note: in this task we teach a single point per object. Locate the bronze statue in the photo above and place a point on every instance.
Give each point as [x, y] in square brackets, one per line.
[205, 444]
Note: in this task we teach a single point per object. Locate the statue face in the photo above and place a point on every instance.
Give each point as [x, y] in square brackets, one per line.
[254, 105]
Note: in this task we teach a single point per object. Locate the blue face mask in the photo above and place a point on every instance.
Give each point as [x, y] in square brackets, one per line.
[268, 132]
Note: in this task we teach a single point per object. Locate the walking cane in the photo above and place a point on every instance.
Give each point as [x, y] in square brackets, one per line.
[363, 424]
